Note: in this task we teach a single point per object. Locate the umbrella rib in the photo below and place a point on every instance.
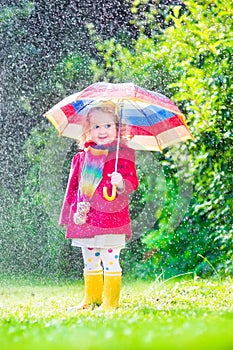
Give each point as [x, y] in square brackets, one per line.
[180, 116]
[86, 105]
[141, 111]
[76, 112]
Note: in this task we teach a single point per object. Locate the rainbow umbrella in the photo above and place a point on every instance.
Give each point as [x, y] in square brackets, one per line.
[152, 121]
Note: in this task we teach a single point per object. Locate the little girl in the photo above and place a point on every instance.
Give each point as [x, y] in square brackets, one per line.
[100, 227]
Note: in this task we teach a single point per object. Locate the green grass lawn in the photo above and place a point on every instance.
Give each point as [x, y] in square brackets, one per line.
[194, 314]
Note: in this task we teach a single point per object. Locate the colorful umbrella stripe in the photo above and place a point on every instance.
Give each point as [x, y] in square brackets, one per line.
[152, 120]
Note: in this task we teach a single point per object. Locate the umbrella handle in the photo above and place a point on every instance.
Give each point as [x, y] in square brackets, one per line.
[113, 195]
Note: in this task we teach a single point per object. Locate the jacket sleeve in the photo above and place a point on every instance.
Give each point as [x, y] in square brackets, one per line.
[71, 191]
[127, 168]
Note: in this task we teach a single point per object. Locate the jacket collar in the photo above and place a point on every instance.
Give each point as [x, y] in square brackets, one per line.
[110, 146]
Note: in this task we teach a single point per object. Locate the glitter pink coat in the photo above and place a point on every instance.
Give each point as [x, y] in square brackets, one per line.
[104, 217]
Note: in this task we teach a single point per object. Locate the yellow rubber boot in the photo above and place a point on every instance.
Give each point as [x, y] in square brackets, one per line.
[112, 286]
[93, 282]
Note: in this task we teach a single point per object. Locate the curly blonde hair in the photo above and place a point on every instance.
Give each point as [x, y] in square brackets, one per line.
[105, 107]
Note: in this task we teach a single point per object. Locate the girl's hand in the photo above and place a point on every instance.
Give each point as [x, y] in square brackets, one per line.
[117, 179]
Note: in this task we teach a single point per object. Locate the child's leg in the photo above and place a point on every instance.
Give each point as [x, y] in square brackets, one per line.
[93, 278]
[91, 258]
[111, 259]
[112, 277]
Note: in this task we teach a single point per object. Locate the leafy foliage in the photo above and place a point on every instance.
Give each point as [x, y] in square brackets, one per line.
[193, 57]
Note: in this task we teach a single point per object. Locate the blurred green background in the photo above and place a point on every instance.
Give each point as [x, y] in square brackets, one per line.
[180, 48]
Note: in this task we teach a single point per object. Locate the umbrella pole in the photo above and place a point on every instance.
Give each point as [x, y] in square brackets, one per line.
[119, 135]
[105, 193]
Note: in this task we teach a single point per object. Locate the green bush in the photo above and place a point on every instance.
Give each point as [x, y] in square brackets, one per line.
[192, 56]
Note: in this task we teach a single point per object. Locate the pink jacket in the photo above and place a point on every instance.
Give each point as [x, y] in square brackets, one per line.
[104, 217]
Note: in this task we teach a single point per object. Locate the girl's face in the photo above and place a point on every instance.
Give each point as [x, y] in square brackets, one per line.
[103, 127]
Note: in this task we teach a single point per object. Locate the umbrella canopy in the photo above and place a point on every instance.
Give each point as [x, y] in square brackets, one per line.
[152, 121]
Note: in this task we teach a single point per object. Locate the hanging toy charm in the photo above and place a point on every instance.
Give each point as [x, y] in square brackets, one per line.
[80, 216]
